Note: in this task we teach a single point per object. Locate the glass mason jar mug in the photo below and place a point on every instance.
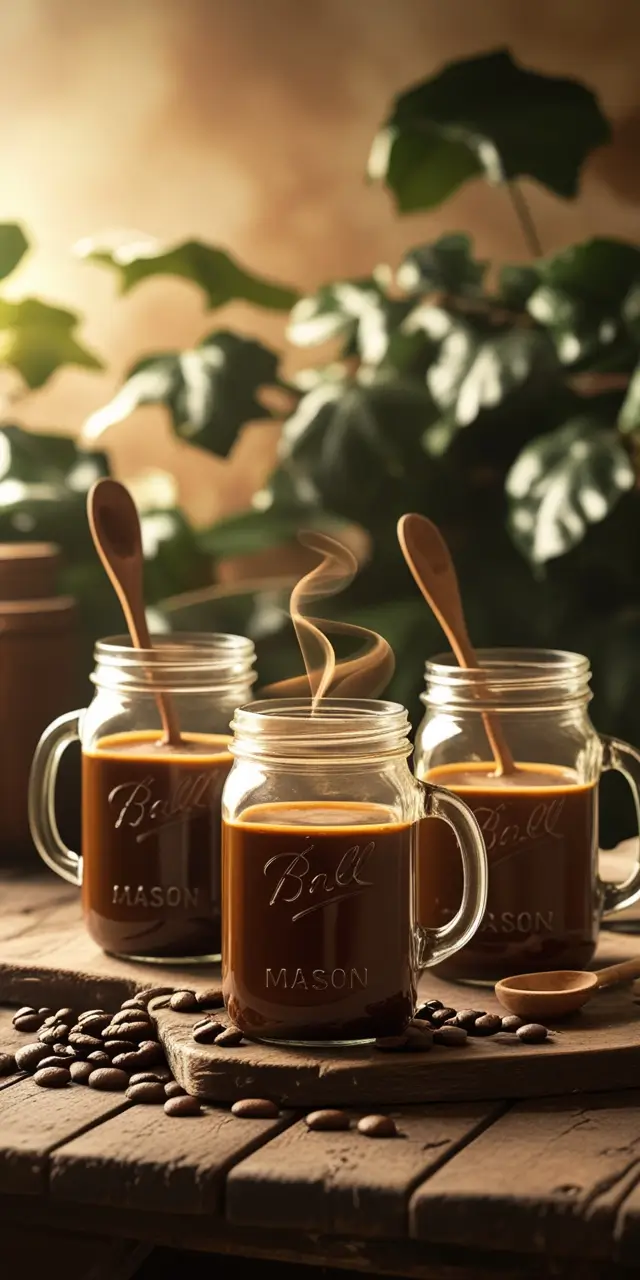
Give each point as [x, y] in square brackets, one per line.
[150, 864]
[320, 818]
[540, 824]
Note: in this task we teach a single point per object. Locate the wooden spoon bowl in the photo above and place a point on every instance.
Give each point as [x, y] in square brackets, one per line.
[551, 995]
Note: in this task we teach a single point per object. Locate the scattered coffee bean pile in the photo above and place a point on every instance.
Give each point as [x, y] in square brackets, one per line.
[119, 1052]
[332, 1120]
[436, 1024]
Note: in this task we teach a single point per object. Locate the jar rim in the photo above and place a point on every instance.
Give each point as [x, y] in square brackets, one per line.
[179, 662]
[198, 645]
[509, 679]
[512, 663]
[340, 728]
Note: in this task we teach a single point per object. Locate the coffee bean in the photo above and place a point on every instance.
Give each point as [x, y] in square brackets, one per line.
[145, 1077]
[7, 1064]
[50, 1021]
[114, 1047]
[50, 1062]
[419, 1041]
[442, 1015]
[327, 1121]
[532, 1033]
[255, 1109]
[184, 1001]
[109, 1079]
[487, 1025]
[128, 1016]
[28, 1022]
[66, 1051]
[93, 1013]
[377, 1127]
[127, 1062]
[136, 1002]
[184, 1106]
[433, 1005]
[212, 998]
[55, 1034]
[230, 1038]
[149, 1092]
[44, 1012]
[80, 1071]
[206, 1032]
[135, 1031]
[24, 1011]
[99, 1058]
[84, 1045]
[391, 1044]
[174, 1090]
[423, 1014]
[149, 1052]
[52, 1077]
[154, 993]
[93, 1026]
[467, 1017]
[28, 1057]
[450, 1036]
[512, 1022]
[65, 1015]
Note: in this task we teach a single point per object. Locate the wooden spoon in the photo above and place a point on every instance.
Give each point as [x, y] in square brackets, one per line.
[549, 995]
[429, 560]
[115, 529]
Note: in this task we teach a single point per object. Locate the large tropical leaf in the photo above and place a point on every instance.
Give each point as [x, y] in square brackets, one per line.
[579, 299]
[210, 391]
[216, 272]
[563, 482]
[445, 265]
[37, 339]
[629, 419]
[474, 372]
[13, 246]
[488, 116]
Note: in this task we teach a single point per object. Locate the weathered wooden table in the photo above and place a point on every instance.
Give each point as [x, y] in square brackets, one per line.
[543, 1187]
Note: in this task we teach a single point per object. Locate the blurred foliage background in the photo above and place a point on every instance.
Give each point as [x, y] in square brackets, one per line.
[504, 404]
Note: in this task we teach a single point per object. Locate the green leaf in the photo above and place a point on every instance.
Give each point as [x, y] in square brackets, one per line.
[563, 482]
[629, 419]
[217, 273]
[516, 284]
[631, 311]
[44, 481]
[334, 310]
[210, 392]
[473, 373]
[486, 115]
[13, 246]
[37, 339]
[354, 444]
[445, 265]
[599, 271]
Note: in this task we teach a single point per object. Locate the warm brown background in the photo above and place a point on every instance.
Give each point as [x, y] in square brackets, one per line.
[248, 122]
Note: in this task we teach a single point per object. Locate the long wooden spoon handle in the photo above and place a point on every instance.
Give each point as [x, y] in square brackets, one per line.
[115, 529]
[429, 560]
[622, 972]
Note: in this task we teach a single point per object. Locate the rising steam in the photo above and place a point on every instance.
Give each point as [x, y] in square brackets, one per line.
[369, 670]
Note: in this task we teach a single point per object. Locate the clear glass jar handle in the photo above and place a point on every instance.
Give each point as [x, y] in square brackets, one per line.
[42, 797]
[436, 945]
[623, 759]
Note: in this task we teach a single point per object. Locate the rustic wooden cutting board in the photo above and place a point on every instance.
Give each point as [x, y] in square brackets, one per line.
[44, 950]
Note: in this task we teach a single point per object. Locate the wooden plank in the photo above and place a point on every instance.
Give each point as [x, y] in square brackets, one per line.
[61, 1254]
[596, 1050]
[548, 1177]
[10, 1040]
[345, 1182]
[34, 1121]
[146, 1160]
[627, 1227]
[213, 1235]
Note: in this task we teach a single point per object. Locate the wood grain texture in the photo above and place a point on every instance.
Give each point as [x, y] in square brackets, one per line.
[33, 1121]
[345, 1182]
[548, 1177]
[394, 1258]
[143, 1159]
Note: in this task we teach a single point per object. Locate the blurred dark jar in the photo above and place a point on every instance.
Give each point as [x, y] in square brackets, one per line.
[38, 674]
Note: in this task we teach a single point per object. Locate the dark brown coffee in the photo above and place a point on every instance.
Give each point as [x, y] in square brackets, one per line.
[151, 844]
[540, 828]
[317, 915]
